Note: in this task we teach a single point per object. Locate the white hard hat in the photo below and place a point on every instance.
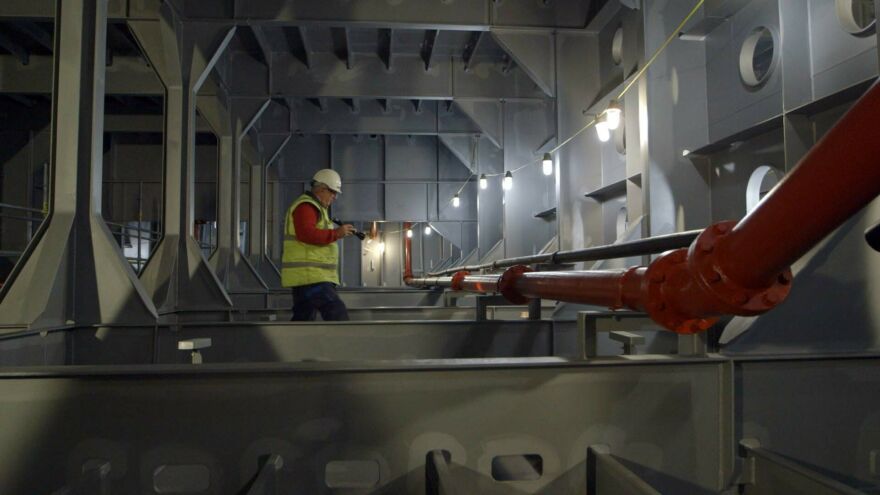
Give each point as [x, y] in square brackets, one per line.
[329, 178]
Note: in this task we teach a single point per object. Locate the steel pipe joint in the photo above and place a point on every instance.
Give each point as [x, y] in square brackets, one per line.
[688, 289]
[507, 284]
[458, 278]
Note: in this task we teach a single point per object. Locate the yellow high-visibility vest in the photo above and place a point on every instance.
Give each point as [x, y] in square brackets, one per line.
[304, 264]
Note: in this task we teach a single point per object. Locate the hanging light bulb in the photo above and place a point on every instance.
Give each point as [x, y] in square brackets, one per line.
[428, 230]
[612, 114]
[381, 247]
[507, 183]
[547, 164]
[602, 128]
[409, 233]
[456, 201]
[484, 182]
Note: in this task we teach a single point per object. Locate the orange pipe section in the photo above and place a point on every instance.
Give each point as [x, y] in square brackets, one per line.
[407, 254]
[731, 268]
[837, 178]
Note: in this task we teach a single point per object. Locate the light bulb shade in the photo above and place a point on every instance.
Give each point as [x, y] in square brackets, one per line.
[456, 201]
[547, 164]
[507, 183]
[602, 130]
[484, 182]
[613, 114]
[428, 230]
[409, 233]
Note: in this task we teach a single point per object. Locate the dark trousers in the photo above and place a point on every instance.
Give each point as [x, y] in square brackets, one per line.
[320, 297]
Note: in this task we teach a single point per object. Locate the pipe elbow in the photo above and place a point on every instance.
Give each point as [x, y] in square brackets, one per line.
[686, 290]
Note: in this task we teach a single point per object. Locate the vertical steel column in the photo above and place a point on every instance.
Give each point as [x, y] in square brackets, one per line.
[255, 217]
[231, 267]
[261, 260]
[178, 276]
[74, 272]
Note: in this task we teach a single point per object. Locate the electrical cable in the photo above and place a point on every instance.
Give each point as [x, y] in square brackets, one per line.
[638, 75]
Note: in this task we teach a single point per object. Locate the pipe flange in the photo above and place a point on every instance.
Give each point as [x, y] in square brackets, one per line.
[670, 266]
[733, 298]
[458, 278]
[507, 283]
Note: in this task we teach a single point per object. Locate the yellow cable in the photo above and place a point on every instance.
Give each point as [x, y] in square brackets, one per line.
[657, 53]
[626, 88]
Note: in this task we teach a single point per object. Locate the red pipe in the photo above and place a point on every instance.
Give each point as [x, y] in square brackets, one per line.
[837, 178]
[407, 254]
[731, 268]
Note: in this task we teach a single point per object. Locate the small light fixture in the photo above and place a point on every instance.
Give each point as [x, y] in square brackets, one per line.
[547, 164]
[612, 114]
[428, 230]
[685, 152]
[602, 128]
[484, 182]
[507, 183]
[409, 233]
[381, 247]
[456, 201]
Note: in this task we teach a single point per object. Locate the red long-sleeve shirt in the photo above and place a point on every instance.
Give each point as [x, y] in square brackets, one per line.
[305, 221]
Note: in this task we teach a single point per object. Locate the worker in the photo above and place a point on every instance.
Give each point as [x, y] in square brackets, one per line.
[311, 256]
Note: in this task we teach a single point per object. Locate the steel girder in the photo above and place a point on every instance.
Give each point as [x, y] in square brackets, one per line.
[231, 267]
[389, 415]
[328, 77]
[45, 9]
[409, 14]
[74, 272]
[534, 51]
[259, 255]
[178, 276]
[127, 75]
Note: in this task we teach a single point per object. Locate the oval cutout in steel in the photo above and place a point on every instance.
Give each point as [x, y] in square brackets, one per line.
[762, 180]
[758, 56]
[857, 17]
[181, 478]
[351, 474]
[522, 467]
[617, 46]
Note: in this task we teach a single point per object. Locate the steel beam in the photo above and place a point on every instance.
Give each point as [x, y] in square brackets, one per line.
[534, 51]
[428, 44]
[386, 47]
[266, 481]
[488, 116]
[178, 276]
[14, 48]
[327, 76]
[73, 272]
[462, 147]
[404, 411]
[93, 480]
[470, 49]
[342, 45]
[34, 32]
[259, 257]
[606, 475]
[231, 268]
[766, 472]
[298, 44]
[127, 76]
[438, 478]
[368, 13]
